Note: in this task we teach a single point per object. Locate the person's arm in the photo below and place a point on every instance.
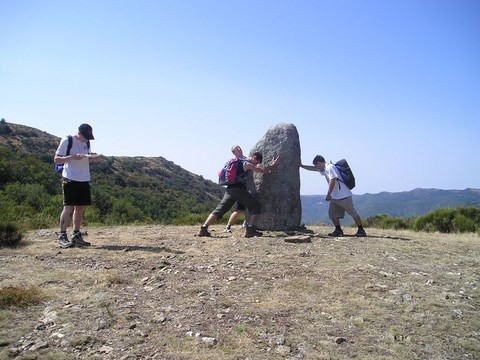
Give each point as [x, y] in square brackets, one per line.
[331, 186]
[65, 159]
[308, 167]
[94, 157]
[262, 170]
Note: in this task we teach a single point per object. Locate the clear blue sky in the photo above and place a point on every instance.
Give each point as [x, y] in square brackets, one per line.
[392, 85]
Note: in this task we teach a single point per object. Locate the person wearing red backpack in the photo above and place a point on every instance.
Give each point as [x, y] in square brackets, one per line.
[237, 208]
[237, 192]
[339, 196]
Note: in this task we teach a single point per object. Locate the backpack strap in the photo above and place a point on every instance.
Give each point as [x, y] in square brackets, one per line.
[340, 178]
[70, 142]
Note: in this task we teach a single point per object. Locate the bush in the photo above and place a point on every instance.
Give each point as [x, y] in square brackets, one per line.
[190, 219]
[463, 224]
[10, 235]
[4, 128]
[20, 297]
[449, 220]
[384, 221]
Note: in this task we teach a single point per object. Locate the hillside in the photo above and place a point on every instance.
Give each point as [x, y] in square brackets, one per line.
[159, 292]
[124, 189]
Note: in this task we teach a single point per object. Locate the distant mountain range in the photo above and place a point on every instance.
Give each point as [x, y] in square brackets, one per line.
[399, 204]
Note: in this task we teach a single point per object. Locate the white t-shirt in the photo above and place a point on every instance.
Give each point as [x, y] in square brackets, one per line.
[77, 170]
[340, 191]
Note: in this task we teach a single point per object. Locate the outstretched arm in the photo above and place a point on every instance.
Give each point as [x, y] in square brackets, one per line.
[308, 167]
[263, 170]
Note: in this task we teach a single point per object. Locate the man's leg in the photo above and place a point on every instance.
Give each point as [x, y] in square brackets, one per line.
[65, 217]
[254, 209]
[231, 220]
[78, 217]
[350, 209]
[77, 238]
[225, 205]
[336, 212]
[64, 222]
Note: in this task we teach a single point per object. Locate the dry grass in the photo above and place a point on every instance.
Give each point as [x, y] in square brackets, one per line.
[12, 296]
[153, 292]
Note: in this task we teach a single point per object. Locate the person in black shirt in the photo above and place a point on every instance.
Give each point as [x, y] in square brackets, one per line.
[237, 192]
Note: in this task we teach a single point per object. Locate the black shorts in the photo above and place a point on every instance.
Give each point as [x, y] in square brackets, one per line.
[76, 193]
[238, 206]
[242, 196]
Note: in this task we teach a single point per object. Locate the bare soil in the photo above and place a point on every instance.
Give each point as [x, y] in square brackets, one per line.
[160, 292]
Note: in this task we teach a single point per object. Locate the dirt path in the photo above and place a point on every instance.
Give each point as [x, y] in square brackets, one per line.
[160, 292]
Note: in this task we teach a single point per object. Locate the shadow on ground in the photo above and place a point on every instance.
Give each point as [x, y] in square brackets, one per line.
[155, 249]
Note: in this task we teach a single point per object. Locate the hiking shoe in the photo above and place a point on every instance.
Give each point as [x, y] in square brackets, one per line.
[204, 231]
[63, 241]
[336, 233]
[227, 229]
[77, 240]
[361, 233]
[251, 232]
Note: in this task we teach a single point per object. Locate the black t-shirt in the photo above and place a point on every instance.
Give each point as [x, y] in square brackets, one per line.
[241, 178]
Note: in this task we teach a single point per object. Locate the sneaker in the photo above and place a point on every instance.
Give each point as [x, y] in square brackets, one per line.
[336, 233]
[244, 225]
[204, 231]
[251, 232]
[361, 233]
[227, 229]
[63, 241]
[77, 240]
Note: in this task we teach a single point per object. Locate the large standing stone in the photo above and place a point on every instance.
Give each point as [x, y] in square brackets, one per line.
[279, 191]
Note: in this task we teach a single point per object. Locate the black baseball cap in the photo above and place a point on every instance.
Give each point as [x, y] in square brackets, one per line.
[86, 131]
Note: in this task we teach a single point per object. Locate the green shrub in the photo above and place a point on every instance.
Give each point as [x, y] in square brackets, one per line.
[463, 224]
[384, 221]
[39, 221]
[449, 220]
[190, 219]
[10, 234]
[443, 220]
[92, 215]
[437, 220]
[472, 214]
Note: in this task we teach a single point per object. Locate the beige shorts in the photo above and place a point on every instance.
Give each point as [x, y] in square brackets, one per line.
[337, 208]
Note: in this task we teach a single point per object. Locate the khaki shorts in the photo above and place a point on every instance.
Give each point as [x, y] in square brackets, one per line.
[337, 208]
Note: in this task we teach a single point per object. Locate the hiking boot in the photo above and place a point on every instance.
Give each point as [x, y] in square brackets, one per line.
[204, 231]
[63, 241]
[227, 229]
[336, 233]
[77, 240]
[361, 233]
[251, 232]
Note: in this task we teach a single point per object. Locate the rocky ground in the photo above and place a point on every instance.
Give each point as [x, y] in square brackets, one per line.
[160, 292]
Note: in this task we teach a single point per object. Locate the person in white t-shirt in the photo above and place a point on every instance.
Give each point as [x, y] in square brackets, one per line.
[339, 196]
[75, 183]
